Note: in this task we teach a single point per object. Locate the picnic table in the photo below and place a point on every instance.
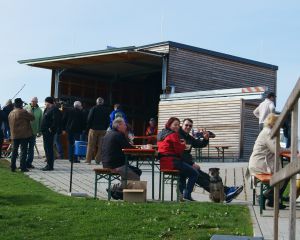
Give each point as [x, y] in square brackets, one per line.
[140, 155]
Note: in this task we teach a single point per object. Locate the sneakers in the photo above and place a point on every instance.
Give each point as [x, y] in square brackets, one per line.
[47, 168]
[232, 193]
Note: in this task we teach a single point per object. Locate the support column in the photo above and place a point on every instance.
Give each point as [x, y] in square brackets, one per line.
[164, 73]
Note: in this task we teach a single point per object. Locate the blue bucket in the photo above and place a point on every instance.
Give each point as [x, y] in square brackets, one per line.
[80, 148]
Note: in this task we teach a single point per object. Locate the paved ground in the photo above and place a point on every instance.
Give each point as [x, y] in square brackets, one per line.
[232, 174]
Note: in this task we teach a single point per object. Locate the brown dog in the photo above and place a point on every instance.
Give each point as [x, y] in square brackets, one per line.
[216, 186]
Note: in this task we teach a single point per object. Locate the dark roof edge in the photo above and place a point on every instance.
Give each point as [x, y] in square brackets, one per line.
[77, 55]
[213, 53]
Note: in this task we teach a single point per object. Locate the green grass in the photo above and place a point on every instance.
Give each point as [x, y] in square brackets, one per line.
[28, 210]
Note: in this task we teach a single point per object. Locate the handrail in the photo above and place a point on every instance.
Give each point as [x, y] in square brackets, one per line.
[294, 96]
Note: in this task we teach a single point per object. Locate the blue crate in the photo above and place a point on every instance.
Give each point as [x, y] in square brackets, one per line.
[80, 148]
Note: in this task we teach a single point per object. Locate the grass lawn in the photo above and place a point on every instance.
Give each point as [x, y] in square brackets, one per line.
[28, 210]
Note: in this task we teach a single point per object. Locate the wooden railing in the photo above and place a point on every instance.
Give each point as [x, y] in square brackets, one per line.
[289, 171]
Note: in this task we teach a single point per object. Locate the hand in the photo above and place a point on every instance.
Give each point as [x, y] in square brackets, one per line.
[195, 166]
[182, 141]
[206, 135]
[38, 134]
[49, 129]
[64, 132]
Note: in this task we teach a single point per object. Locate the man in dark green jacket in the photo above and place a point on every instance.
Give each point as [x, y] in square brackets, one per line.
[36, 111]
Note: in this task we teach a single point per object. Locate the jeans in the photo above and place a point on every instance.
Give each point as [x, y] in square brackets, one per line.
[186, 171]
[72, 137]
[48, 138]
[30, 153]
[57, 142]
[23, 142]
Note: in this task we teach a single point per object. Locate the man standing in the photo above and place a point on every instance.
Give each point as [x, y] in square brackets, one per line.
[264, 109]
[117, 113]
[73, 124]
[97, 123]
[50, 126]
[112, 156]
[20, 129]
[203, 179]
[35, 110]
[7, 109]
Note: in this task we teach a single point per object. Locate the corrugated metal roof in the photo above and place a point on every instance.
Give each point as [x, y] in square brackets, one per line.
[133, 48]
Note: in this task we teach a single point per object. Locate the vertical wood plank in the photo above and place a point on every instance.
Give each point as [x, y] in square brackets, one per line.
[293, 191]
[276, 187]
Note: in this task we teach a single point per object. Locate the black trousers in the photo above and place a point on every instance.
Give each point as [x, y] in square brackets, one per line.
[23, 142]
[48, 139]
[204, 180]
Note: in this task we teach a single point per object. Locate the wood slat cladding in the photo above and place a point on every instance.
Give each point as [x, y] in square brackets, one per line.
[161, 49]
[250, 129]
[193, 71]
[219, 116]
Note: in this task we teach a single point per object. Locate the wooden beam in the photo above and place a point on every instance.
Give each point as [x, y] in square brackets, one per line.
[276, 187]
[289, 170]
[293, 190]
[293, 98]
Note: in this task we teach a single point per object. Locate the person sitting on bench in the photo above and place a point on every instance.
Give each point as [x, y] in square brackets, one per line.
[262, 158]
[113, 157]
[203, 178]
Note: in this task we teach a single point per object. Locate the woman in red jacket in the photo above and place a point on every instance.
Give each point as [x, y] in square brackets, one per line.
[170, 149]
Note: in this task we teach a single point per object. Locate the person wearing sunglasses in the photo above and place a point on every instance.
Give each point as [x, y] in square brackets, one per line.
[203, 179]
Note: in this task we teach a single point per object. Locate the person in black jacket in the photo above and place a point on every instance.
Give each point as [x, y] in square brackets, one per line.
[97, 124]
[50, 125]
[112, 156]
[7, 109]
[203, 178]
[2, 119]
[73, 124]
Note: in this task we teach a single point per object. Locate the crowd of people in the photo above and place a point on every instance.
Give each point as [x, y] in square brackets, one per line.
[107, 134]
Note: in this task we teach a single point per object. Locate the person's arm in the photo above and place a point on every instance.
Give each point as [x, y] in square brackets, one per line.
[178, 146]
[56, 120]
[256, 112]
[272, 107]
[199, 143]
[89, 119]
[111, 119]
[28, 116]
[124, 143]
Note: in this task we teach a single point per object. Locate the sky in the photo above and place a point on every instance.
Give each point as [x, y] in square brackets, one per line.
[266, 31]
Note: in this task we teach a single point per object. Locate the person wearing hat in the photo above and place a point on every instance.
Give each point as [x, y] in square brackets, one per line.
[34, 109]
[264, 109]
[97, 123]
[20, 129]
[49, 126]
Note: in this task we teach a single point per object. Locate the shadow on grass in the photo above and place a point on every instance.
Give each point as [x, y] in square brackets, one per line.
[24, 200]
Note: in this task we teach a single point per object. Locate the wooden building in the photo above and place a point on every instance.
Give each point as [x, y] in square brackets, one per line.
[137, 77]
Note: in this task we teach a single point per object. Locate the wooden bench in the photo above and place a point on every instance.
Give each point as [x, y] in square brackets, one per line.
[107, 174]
[264, 179]
[164, 178]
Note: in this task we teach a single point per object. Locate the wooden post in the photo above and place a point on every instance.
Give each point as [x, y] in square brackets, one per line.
[276, 187]
[293, 190]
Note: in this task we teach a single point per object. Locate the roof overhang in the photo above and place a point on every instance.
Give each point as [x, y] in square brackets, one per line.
[118, 61]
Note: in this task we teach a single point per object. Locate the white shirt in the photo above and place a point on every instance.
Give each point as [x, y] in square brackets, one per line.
[264, 109]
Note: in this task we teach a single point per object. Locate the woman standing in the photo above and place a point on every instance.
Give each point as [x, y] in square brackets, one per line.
[170, 150]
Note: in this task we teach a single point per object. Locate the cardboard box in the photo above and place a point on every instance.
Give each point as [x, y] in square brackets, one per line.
[136, 191]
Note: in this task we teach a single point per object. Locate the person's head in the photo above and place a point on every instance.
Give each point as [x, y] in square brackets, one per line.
[49, 101]
[34, 101]
[18, 103]
[78, 105]
[270, 120]
[119, 125]
[152, 122]
[100, 101]
[9, 102]
[173, 123]
[187, 125]
[271, 96]
[117, 106]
